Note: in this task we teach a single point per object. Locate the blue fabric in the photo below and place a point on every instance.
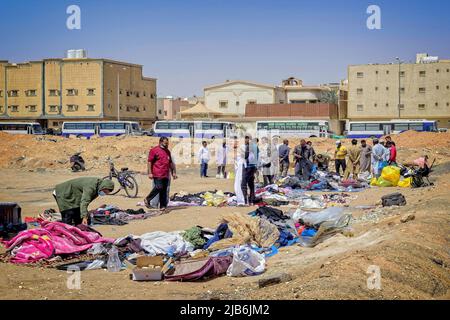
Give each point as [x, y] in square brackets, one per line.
[285, 237]
[204, 169]
[222, 232]
[309, 232]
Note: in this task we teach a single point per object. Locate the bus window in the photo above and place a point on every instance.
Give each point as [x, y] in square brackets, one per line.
[37, 129]
[357, 127]
[401, 127]
[416, 126]
[135, 127]
[373, 127]
[162, 125]
[174, 125]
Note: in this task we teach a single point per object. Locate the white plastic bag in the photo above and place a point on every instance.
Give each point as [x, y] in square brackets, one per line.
[246, 262]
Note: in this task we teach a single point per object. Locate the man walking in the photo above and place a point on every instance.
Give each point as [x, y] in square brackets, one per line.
[159, 167]
[221, 160]
[283, 154]
[339, 157]
[353, 162]
[203, 157]
[303, 164]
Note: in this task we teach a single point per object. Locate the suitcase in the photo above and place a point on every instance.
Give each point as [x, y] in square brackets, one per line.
[10, 213]
[394, 199]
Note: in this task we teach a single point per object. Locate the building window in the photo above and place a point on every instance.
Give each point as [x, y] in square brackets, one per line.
[159, 111]
[360, 75]
[448, 87]
[448, 70]
[359, 91]
[436, 104]
[128, 108]
[91, 107]
[387, 88]
[422, 90]
[251, 102]
[281, 101]
[137, 94]
[72, 107]
[387, 71]
[1, 93]
[144, 93]
[437, 70]
[1, 109]
[448, 104]
[30, 93]
[237, 103]
[376, 88]
[401, 106]
[402, 73]
[128, 93]
[437, 87]
[376, 72]
[53, 93]
[387, 105]
[360, 107]
[223, 104]
[109, 106]
[55, 123]
[375, 105]
[53, 108]
[120, 91]
[422, 73]
[402, 90]
[31, 108]
[152, 96]
[72, 92]
[421, 106]
[91, 92]
[13, 93]
[14, 108]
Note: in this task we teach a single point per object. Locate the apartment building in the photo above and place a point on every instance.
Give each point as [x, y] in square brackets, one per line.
[419, 90]
[52, 91]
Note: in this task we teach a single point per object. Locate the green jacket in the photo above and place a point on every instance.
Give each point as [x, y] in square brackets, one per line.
[80, 192]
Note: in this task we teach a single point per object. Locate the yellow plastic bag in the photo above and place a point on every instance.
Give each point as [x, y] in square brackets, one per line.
[373, 182]
[391, 174]
[406, 183]
[384, 183]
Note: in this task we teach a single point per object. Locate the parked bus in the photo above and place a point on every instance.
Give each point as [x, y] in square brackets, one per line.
[294, 128]
[193, 129]
[377, 129]
[103, 129]
[21, 127]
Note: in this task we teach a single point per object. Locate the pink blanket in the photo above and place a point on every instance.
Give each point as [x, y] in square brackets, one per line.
[54, 238]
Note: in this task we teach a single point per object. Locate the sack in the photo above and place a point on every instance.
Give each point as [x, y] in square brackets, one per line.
[383, 183]
[246, 262]
[382, 165]
[373, 182]
[192, 270]
[394, 199]
[391, 174]
[406, 183]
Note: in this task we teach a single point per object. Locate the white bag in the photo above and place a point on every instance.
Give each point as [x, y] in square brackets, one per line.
[246, 262]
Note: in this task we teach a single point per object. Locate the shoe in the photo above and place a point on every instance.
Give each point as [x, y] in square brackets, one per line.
[147, 205]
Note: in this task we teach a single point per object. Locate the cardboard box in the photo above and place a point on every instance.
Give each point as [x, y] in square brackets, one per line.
[149, 268]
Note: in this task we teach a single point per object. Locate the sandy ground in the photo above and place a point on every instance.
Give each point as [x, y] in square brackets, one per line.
[413, 257]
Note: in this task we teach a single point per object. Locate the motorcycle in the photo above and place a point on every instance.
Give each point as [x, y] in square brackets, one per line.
[77, 162]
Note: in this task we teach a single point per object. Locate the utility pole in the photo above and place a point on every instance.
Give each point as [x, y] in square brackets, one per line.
[399, 87]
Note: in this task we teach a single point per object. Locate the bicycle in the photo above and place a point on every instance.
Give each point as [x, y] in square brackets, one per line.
[125, 179]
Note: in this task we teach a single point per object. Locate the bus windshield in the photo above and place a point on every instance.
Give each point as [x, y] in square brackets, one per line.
[37, 129]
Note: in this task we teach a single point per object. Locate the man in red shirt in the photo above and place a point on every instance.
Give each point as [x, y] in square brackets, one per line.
[159, 167]
[393, 152]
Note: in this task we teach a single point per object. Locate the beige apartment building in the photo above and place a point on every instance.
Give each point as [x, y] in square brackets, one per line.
[418, 90]
[52, 91]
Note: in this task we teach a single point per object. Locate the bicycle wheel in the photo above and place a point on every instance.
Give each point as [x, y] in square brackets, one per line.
[117, 186]
[131, 186]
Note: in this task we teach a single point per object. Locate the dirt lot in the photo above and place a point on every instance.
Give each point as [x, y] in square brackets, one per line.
[413, 257]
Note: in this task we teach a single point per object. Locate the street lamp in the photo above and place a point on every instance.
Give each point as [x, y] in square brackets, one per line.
[399, 85]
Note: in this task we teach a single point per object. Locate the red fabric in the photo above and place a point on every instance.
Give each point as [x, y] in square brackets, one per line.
[393, 157]
[160, 159]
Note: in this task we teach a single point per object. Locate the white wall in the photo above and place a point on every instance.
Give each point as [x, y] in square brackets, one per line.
[302, 95]
[237, 92]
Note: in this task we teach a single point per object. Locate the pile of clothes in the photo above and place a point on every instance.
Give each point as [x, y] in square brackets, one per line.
[216, 198]
[111, 215]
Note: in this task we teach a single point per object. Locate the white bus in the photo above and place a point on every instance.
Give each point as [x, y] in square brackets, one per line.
[103, 129]
[294, 128]
[21, 127]
[193, 129]
[377, 129]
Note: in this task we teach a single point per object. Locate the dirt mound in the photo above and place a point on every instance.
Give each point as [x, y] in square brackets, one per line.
[413, 139]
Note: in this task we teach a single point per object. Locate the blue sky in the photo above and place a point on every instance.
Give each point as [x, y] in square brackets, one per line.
[194, 43]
